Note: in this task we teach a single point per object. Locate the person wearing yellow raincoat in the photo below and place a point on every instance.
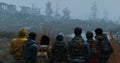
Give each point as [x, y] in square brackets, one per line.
[16, 46]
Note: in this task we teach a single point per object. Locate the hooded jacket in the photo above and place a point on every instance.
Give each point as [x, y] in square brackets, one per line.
[16, 46]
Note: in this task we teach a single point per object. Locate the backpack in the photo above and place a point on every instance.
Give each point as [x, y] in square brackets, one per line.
[60, 52]
[27, 51]
[93, 49]
[105, 46]
[77, 48]
[42, 57]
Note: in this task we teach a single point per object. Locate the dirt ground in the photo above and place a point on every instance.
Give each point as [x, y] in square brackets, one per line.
[115, 57]
[6, 58]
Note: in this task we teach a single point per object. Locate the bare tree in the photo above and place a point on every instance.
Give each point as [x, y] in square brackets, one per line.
[57, 15]
[48, 10]
[66, 13]
[94, 10]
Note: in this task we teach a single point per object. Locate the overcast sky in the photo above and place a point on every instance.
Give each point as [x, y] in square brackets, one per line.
[79, 8]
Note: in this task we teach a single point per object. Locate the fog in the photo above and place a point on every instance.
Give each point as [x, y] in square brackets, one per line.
[52, 16]
[59, 15]
[79, 8]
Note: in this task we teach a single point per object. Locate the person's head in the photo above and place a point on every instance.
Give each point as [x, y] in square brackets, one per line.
[60, 37]
[22, 32]
[60, 33]
[89, 35]
[98, 31]
[77, 31]
[45, 40]
[32, 35]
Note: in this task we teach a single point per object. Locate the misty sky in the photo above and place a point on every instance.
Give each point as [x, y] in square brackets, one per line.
[79, 8]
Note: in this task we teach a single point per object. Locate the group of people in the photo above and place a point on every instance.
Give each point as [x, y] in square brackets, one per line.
[25, 49]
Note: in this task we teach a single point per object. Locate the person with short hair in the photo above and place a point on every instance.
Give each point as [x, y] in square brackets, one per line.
[93, 48]
[44, 42]
[104, 45]
[77, 48]
[42, 55]
[30, 48]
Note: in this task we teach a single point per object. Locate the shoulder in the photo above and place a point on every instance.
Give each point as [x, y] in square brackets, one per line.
[104, 35]
[34, 44]
[99, 37]
[59, 43]
[19, 39]
[23, 39]
[14, 39]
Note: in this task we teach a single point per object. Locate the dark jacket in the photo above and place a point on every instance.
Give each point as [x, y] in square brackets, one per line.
[30, 50]
[99, 39]
[59, 52]
[97, 48]
[85, 46]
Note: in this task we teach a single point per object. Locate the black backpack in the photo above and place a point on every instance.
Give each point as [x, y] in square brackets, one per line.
[106, 47]
[77, 48]
[59, 52]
